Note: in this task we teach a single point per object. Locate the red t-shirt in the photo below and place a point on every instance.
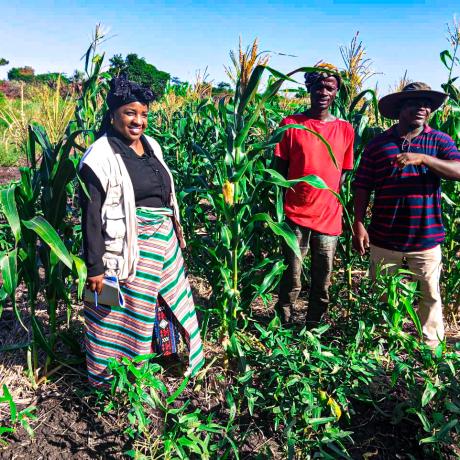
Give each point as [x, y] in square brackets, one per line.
[305, 205]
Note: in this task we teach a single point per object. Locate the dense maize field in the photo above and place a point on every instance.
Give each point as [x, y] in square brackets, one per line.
[362, 385]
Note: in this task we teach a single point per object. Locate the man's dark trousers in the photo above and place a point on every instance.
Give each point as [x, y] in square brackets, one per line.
[322, 257]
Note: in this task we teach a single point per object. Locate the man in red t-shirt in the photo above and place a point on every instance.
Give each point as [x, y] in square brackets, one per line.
[315, 215]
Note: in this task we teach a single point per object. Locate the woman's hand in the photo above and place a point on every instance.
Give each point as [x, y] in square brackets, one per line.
[95, 283]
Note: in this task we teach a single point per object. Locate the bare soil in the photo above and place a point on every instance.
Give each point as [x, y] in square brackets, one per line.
[70, 424]
[8, 173]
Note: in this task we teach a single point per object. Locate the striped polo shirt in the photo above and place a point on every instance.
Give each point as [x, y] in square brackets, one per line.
[406, 212]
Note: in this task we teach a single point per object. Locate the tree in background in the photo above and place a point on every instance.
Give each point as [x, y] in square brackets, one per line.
[26, 74]
[176, 81]
[51, 78]
[3, 61]
[140, 71]
[222, 88]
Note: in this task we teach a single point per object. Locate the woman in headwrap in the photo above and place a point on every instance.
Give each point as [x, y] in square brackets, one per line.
[131, 231]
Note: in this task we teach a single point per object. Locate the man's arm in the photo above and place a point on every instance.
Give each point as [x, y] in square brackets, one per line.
[360, 235]
[446, 169]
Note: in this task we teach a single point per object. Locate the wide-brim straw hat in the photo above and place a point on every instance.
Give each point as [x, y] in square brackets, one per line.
[390, 105]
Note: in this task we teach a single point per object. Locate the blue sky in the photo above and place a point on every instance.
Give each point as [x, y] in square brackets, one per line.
[182, 37]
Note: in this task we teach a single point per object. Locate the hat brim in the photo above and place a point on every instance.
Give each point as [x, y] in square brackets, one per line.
[390, 105]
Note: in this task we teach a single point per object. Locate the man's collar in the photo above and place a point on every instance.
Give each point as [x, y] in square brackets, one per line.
[394, 133]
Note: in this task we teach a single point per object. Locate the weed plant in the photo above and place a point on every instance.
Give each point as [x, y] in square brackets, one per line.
[16, 418]
[163, 424]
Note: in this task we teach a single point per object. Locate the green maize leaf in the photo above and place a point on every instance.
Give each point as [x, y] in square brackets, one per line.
[226, 236]
[53, 257]
[276, 178]
[49, 155]
[237, 350]
[9, 270]
[278, 135]
[31, 152]
[71, 143]
[415, 319]
[270, 278]
[279, 205]
[360, 96]
[40, 338]
[9, 209]
[26, 188]
[8, 267]
[49, 235]
[251, 88]
[3, 297]
[226, 276]
[248, 274]
[445, 56]
[247, 164]
[81, 270]
[64, 174]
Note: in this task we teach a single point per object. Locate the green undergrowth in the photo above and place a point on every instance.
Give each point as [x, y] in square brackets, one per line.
[302, 389]
[14, 418]
[159, 421]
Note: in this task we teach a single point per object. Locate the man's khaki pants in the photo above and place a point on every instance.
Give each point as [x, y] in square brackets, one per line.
[426, 266]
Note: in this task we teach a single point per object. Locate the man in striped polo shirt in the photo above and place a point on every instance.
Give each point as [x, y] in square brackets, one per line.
[404, 166]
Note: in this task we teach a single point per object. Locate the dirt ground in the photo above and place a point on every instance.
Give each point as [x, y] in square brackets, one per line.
[70, 425]
[8, 174]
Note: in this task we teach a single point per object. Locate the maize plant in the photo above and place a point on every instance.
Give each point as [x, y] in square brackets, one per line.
[36, 208]
[89, 109]
[230, 196]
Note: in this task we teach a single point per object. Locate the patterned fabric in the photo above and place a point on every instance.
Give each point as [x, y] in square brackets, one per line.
[406, 214]
[166, 330]
[115, 332]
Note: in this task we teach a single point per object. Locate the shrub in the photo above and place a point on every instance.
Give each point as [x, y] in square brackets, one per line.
[140, 71]
[26, 74]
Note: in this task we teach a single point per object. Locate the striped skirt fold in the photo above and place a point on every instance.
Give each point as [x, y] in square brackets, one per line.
[160, 284]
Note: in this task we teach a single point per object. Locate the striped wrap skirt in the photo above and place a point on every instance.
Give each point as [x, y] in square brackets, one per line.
[158, 304]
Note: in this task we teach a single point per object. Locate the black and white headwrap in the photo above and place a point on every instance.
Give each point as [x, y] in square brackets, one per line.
[122, 92]
[312, 77]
